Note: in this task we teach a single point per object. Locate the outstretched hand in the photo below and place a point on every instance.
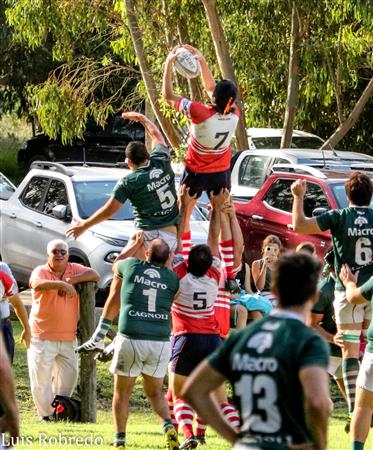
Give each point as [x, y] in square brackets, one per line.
[133, 116]
[299, 188]
[184, 197]
[194, 51]
[76, 230]
[173, 53]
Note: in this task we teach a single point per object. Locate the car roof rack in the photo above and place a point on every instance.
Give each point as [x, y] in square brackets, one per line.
[49, 165]
[299, 168]
[119, 164]
[362, 166]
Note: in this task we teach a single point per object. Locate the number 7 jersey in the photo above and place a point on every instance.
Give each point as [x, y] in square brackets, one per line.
[352, 235]
[193, 308]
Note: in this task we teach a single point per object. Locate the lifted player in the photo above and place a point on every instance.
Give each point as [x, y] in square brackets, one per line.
[352, 235]
[277, 368]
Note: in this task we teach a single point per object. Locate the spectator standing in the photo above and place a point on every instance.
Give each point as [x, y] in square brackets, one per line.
[9, 294]
[53, 365]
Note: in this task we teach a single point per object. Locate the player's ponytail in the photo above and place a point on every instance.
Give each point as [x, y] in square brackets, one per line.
[224, 96]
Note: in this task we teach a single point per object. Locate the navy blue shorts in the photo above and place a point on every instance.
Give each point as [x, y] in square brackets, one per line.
[7, 332]
[189, 349]
[199, 182]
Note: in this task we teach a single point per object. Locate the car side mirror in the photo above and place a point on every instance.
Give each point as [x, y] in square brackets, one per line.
[61, 212]
[318, 211]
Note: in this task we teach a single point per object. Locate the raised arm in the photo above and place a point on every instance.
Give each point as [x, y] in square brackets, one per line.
[217, 202]
[301, 223]
[186, 205]
[237, 237]
[150, 127]
[206, 75]
[353, 293]
[105, 212]
[167, 87]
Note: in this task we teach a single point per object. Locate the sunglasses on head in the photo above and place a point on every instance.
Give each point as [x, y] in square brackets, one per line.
[59, 251]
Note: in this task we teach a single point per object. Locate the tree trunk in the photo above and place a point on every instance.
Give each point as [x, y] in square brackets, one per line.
[342, 130]
[172, 134]
[225, 64]
[293, 80]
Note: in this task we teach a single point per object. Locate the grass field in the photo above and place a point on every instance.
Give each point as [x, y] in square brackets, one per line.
[144, 430]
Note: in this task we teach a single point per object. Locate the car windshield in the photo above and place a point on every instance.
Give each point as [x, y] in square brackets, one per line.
[91, 195]
[340, 195]
[297, 142]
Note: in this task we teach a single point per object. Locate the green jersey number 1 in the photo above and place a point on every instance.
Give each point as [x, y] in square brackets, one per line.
[258, 393]
[152, 298]
[363, 251]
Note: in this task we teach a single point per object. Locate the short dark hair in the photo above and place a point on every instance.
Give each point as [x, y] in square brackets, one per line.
[271, 239]
[306, 247]
[136, 152]
[225, 91]
[359, 189]
[199, 260]
[295, 278]
[159, 251]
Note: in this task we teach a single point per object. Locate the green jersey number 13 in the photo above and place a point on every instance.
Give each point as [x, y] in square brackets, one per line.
[258, 392]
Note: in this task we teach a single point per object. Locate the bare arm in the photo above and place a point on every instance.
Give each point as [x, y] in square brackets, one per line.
[46, 285]
[237, 237]
[167, 87]
[313, 321]
[102, 214]
[9, 421]
[315, 386]
[150, 127]
[259, 274]
[353, 293]
[132, 248]
[248, 279]
[88, 275]
[207, 78]
[112, 304]
[21, 313]
[198, 392]
[301, 223]
[186, 205]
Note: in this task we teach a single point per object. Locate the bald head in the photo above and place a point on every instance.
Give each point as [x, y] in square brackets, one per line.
[158, 252]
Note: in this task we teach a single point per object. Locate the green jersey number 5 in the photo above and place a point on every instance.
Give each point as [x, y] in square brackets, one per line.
[165, 196]
[258, 394]
[363, 251]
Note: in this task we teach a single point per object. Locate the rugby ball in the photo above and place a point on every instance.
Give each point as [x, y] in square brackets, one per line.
[186, 64]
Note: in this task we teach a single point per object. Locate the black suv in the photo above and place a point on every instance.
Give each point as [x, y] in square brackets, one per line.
[98, 145]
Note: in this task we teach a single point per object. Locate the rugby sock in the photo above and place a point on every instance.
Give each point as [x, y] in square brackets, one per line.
[356, 445]
[200, 427]
[226, 250]
[186, 240]
[167, 423]
[102, 329]
[230, 414]
[350, 370]
[184, 416]
[119, 438]
[170, 402]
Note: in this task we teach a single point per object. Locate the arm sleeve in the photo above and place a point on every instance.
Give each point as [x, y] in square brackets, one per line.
[121, 191]
[5, 268]
[160, 151]
[315, 352]
[10, 288]
[328, 220]
[179, 266]
[367, 290]
[194, 111]
[122, 266]
[37, 274]
[220, 359]
[78, 269]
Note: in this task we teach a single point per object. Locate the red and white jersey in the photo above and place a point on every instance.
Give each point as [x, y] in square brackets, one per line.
[7, 286]
[209, 147]
[193, 308]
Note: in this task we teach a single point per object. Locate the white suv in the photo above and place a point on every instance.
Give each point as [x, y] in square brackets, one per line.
[271, 138]
[49, 198]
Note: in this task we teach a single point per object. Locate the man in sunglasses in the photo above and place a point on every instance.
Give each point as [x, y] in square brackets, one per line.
[53, 322]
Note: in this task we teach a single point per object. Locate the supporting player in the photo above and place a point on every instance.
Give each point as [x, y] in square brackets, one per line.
[362, 415]
[277, 368]
[352, 235]
[142, 345]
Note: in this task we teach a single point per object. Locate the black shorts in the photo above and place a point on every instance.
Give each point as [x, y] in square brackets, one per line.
[189, 349]
[199, 182]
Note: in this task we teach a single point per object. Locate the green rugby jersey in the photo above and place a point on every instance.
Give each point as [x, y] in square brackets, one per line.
[262, 362]
[367, 293]
[145, 300]
[151, 190]
[352, 235]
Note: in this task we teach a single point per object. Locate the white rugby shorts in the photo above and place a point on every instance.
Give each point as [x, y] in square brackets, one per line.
[346, 312]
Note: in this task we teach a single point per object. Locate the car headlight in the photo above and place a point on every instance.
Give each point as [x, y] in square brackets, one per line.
[111, 257]
[112, 241]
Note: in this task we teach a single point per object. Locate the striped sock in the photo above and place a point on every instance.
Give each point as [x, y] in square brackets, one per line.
[226, 250]
[170, 402]
[186, 240]
[200, 427]
[102, 328]
[184, 417]
[356, 445]
[230, 414]
[350, 370]
[119, 438]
